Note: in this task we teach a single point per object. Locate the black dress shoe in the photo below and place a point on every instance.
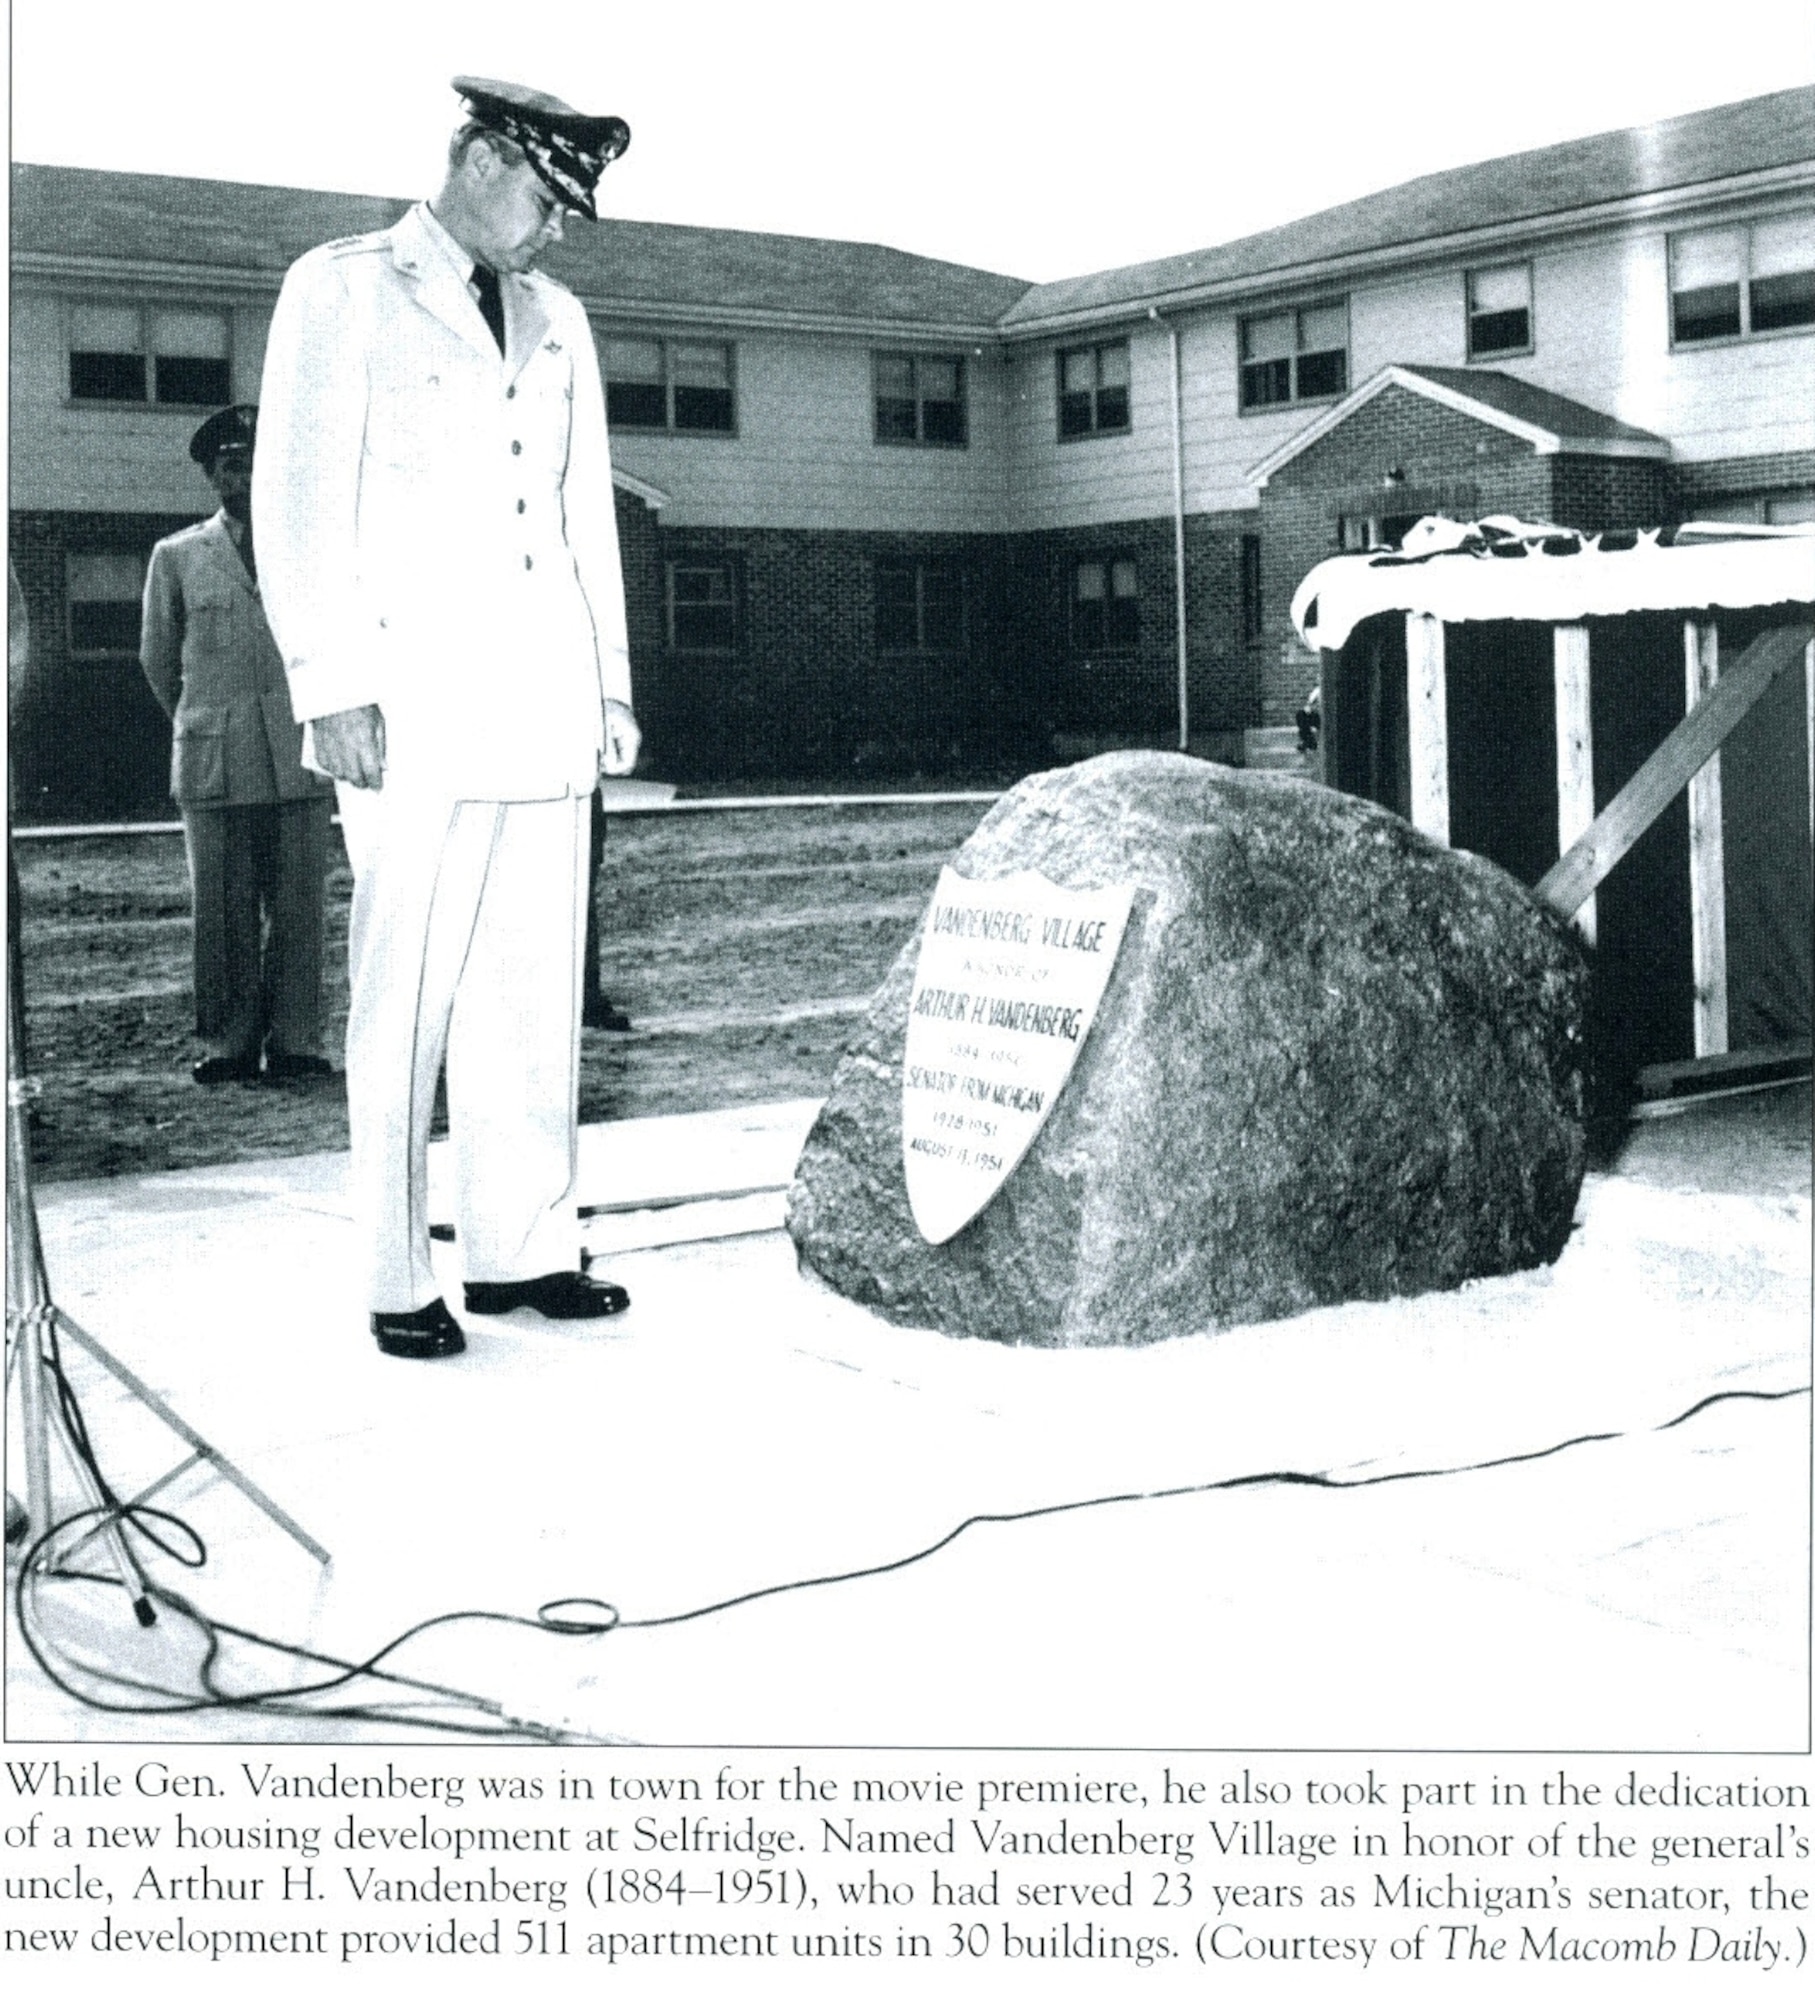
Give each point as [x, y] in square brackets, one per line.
[598, 1012]
[283, 1067]
[422, 1335]
[225, 1069]
[560, 1295]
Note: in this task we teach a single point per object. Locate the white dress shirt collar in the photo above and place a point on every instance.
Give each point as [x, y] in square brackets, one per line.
[437, 233]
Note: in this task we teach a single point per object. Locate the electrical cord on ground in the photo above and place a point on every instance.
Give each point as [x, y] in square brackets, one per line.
[1320, 1480]
[60, 1667]
[581, 1616]
[47, 1560]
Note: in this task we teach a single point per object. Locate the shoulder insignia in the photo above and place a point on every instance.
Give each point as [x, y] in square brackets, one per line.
[351, 246]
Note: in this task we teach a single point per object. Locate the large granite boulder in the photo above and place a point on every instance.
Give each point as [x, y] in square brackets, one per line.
[1334, 1061]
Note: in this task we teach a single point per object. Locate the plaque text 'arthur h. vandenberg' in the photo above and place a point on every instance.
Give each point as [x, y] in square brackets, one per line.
[1010, 977]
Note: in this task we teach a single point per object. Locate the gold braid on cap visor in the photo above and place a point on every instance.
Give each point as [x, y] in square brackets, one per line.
[565, 166]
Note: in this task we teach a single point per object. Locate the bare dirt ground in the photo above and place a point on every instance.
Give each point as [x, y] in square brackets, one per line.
[743, 944]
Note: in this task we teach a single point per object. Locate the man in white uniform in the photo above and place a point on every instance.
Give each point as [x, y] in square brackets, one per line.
[437, 544]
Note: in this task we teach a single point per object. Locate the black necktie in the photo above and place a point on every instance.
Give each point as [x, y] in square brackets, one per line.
[491, 302]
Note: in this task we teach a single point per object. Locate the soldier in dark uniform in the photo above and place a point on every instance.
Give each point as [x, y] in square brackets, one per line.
[257, 823]
[597, 1008]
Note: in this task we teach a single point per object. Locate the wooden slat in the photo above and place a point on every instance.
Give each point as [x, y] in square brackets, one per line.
[1670, 767]
[1707, 868]
[1575, 750]
[1808, 702]
[1736, 1070]
[1330, 748]
[1427, 724]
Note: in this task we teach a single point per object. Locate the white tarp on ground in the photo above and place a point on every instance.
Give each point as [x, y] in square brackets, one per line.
[1469, 582]
[742, 1427]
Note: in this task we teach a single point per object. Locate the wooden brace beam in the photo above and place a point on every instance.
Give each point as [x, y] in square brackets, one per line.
[1427, 724]
[1575, 750]
[1671, 765]
[1707, 853]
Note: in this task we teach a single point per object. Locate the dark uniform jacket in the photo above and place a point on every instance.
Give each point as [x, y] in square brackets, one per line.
[214, 666]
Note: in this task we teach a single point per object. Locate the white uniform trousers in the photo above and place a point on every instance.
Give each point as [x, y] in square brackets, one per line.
[464, 939]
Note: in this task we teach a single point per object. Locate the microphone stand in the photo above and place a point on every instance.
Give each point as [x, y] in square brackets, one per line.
[35, 1327]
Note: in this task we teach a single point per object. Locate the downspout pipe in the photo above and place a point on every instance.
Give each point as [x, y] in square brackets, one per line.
[1178, 529]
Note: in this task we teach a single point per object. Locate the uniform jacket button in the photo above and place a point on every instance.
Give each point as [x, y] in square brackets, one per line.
[516, 446]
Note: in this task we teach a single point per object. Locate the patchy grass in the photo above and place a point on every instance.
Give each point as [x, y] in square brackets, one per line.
[742, 944]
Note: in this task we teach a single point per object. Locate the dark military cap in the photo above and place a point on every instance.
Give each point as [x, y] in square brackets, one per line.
[231, 429]
[568, 150]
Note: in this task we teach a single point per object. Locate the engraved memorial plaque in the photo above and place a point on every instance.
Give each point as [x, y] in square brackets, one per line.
[1010, 977]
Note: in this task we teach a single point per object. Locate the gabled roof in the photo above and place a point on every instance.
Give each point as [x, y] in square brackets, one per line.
[644, 270]
[1579, 426]
[170, 219]
[672, 263]
[652, 497]
[1549, 423]
[1754, 136]
[238, 227]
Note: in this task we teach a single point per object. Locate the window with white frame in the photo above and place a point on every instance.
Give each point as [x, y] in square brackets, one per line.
[919, 607]
[920, 399]
[1779, 509]
[1734, 282]
[669, 385]
[1499, 311]
[702, 607]
[103, 589]
[1093, 389]
[1299, 356]
[149, 354]
[1105, 604]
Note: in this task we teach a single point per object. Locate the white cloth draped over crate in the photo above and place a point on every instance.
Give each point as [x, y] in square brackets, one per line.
[1467, 582]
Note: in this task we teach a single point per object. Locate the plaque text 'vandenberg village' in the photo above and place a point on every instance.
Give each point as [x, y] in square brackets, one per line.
[1009, 979]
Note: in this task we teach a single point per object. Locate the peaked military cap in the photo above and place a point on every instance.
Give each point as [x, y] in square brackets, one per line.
[567, 149]
[231, 429]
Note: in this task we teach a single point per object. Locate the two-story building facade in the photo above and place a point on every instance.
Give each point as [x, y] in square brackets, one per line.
[1619, 331]
[886, 515]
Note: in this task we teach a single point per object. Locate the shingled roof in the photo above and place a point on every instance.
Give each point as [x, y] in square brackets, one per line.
[1529, 404]
[167, 219]
[1546, 421]
[648, 266]
[1749, 137]
[239, 226]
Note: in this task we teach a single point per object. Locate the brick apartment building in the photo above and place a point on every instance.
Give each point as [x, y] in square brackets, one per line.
[885, 515]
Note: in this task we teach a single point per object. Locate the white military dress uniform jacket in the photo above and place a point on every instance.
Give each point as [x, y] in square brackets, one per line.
[436, 535]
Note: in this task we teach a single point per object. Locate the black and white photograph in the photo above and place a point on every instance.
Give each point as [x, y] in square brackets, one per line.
[931, 881]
